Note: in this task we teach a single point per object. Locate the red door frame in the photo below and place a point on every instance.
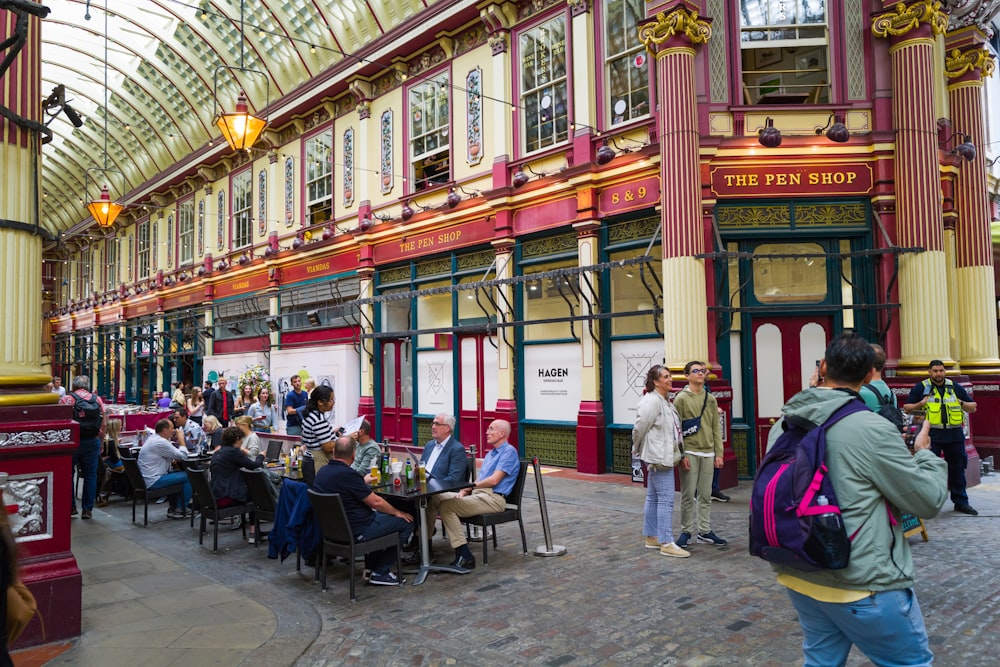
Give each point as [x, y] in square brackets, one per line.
[396, 420]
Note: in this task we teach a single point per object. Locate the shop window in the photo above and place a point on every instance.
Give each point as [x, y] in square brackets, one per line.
[242, 208]
[433, 312]
[395, 314]
[625, 61]
[111, 263]
[785, 51]
[185, 232]
[786, 278]
[240, 318]
[475, 306]
[543, 85]
[142, 249]
[846, 284]
[332, 301]
[86, 272]
[635, 288]
[548, 298]
[319, 178]
[430, 146]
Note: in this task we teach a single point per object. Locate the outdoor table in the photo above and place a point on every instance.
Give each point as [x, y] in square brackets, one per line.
[421, 493]
[294, 474]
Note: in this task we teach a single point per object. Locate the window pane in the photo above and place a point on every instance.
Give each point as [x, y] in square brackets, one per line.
[789, 279]
[543, 84]
[185, 232]
[433, 311]
[242, 204]
[627, 66]
[636, 287]
[549, 298]
[319, 178]
[429, 123]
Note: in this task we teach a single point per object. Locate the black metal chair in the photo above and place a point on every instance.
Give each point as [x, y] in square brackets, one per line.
[139, 488]
[338, 539]
[265, 505]
[511, 513]
[210, 509]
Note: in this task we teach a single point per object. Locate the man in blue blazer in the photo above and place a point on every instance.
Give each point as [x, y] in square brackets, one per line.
[444, 456]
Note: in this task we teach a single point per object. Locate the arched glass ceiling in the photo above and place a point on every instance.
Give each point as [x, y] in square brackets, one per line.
[162, 57]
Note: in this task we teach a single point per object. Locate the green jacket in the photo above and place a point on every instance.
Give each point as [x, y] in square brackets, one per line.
[871, 469]
[709, 437]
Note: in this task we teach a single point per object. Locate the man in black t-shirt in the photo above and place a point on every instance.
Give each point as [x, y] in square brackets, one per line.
[368, 513]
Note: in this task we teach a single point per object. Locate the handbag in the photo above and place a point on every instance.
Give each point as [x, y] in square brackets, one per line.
[21, 608]
[693, 425]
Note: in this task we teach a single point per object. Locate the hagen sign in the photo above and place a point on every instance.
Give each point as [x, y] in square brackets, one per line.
[792, 179]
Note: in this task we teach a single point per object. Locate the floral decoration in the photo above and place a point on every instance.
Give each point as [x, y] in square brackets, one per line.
[257, 378]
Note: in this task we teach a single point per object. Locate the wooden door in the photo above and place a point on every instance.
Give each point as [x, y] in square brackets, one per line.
[785, 350]
[478, 371]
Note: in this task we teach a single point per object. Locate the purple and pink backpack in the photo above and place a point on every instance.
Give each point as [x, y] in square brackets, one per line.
[787, 524]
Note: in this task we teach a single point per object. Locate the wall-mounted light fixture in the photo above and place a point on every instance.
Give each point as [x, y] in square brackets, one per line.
[273, 323]
[965, 150]
[835, 130]
[313, 316]
[769, 136]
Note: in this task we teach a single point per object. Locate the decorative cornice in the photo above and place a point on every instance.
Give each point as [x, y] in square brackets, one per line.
[958, 63]
[498, 43]
[577, 7]
[909, 17]
[30, 438]
[679, 22]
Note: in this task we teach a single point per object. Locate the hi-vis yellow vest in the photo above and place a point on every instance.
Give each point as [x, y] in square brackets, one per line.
[943, 412]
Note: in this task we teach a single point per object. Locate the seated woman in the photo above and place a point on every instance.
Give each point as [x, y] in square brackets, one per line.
[228, 486]
[251, 443]
[213, 429]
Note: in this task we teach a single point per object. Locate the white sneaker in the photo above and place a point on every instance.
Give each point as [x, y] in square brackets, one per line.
[674, 551]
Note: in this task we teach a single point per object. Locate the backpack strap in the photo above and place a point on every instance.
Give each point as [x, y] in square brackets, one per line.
[883, 400]
[806, 507]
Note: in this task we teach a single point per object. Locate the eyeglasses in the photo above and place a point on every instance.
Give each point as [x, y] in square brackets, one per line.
[438, 424]
[699, 371]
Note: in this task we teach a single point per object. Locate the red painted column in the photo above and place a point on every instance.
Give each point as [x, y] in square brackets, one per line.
[673, 36]
[36, 437]
[923, 294]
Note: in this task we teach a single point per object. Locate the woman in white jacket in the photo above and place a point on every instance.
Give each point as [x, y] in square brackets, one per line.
[656, 440]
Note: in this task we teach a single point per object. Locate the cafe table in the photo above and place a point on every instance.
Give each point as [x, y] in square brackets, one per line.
[420, 493]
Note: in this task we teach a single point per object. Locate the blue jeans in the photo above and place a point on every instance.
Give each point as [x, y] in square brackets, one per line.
[170, 479]
[380, 562]
[887, 627]
[293, 430]
[658, 513]
[957, 460]
[85, 458]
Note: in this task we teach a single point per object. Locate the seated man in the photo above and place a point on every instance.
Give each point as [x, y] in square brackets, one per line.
[496, 479]
[369, 514]
[155, 457]
[194, 436]
[444, 456]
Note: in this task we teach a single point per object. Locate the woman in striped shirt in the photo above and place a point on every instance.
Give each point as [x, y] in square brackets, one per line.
[317, 433]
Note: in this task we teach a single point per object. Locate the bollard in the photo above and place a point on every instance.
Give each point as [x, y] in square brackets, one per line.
[548, 549]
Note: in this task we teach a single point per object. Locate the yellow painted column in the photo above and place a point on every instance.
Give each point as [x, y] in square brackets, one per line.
[590, 366]
[923, 316]
[975, 291]
[673, 38]
[22, 378]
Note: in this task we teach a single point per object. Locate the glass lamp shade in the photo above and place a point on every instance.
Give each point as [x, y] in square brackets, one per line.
[240, 128]
[104, 210]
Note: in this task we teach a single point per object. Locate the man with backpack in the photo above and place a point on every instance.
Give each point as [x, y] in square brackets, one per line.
[870, 603]
[88, 412]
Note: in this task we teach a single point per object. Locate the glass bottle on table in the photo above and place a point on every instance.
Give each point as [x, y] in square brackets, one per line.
[409, 472]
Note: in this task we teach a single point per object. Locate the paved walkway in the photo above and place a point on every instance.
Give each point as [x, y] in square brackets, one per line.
[152, 597]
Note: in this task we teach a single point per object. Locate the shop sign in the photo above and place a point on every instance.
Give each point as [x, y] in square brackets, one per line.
[110, 315]
[63, 325]
[185, 300]
[792, 180]
[447, 238]
[644, 193]
[552, 382]
[252, 283]
[147, 307]
[545, 216]
[319, 268]
[84, 321]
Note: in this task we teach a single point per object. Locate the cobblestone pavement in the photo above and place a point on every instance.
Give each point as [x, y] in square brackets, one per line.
[608, 601]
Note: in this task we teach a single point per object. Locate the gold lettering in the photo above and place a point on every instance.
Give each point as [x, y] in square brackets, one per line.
[243, 284]
[407, 246]
[449, 237]
[322, 266]
[642, 192]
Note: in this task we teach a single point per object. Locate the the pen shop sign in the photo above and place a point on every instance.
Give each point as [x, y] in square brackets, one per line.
[804, 180]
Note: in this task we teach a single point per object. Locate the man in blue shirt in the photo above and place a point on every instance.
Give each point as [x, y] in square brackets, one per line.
[294, 400]
[496, 479]
[368, 513]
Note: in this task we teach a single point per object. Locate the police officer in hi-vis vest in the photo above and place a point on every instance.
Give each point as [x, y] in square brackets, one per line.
[944, 403]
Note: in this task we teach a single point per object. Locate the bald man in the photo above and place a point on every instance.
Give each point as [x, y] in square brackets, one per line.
[496, 479]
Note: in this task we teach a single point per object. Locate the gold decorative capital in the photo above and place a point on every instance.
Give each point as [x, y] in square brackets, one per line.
[681, 21]
[958, 63]
[909, 17]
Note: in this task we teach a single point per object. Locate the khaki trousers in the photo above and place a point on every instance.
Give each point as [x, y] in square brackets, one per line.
[451, 506]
